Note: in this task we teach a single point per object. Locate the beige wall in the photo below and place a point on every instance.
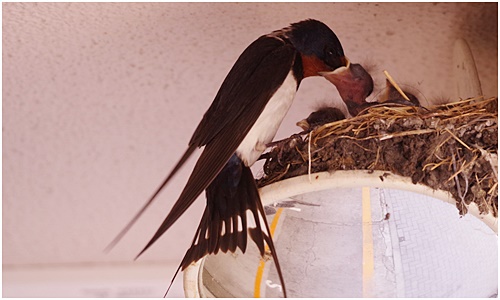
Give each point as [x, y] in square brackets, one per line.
[99, 101]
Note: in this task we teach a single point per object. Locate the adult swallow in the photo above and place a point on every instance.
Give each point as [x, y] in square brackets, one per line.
[244, 116]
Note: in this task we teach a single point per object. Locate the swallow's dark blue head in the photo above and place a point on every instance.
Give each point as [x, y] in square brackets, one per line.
[313, 38]
[322, 54]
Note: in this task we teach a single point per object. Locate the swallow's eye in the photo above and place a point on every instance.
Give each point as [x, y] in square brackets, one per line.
[330, 53]
[332, 58]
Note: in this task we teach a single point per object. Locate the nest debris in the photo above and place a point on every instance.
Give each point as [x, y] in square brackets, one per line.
[451, 147]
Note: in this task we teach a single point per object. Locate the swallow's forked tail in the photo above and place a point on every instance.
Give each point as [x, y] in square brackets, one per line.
[179, 164]
[224, 225]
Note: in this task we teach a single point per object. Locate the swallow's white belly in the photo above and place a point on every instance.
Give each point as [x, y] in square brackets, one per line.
[266, 126]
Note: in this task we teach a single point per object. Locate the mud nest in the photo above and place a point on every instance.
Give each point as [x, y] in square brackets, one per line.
[451, 147]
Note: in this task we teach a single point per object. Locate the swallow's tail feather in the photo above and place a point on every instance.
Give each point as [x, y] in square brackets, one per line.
[233, 207]
[179, 164]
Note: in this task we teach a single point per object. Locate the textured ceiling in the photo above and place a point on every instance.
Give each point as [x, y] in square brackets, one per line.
[100, 100]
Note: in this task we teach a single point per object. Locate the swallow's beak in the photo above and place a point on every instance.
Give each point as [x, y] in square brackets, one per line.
[353, 83]
[303, 124]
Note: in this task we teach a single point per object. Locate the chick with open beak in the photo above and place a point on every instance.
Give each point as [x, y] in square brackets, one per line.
[354, 84]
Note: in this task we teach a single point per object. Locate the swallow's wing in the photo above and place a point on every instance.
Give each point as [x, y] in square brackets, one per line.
[257, 74]
[241, 99]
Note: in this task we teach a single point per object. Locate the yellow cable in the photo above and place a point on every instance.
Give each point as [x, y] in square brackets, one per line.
[262, 263]
[368, 265]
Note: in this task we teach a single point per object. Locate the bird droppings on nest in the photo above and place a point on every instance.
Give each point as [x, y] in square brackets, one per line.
[451, 147]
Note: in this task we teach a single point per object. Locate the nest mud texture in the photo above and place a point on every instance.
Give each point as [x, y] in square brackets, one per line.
[451, 147]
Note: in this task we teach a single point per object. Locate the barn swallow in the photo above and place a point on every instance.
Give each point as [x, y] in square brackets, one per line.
[244, 116]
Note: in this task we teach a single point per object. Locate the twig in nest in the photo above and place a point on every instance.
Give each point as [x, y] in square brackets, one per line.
[492, 190]
[405, 133]
[395, 85]
[458, 140]
[374, 163]
[280, 175]
[300, 153]
[463, 167]
[309, 167]
[434, 166]
[442, 143]
[365, 149]
[457, 181]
